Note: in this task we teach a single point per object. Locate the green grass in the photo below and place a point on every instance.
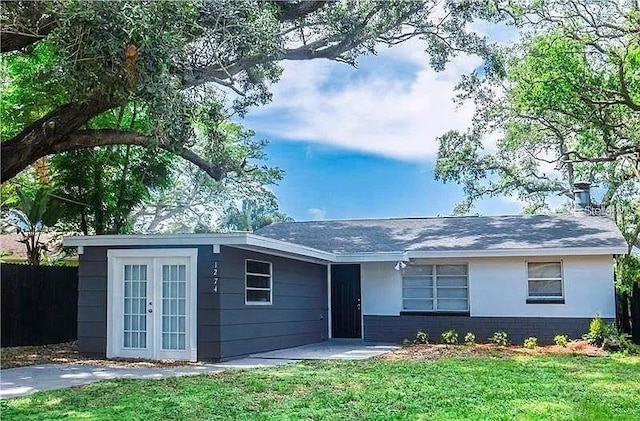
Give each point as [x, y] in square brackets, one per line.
[528, 387]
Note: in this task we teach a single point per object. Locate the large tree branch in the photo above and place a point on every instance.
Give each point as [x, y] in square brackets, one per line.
[37, 139]
[329, 48]
[292, 10]
[83, 139]
[12, 41]
[24, 23]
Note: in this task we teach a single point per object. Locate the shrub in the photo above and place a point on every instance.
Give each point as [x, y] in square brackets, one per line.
[561, 340]
[620, 342]
[450, 337]
[421, 338]
[469, 338]
[599, 330]
[499, 338]
[531, 342]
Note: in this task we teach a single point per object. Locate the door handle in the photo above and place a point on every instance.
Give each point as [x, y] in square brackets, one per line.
[150, 310]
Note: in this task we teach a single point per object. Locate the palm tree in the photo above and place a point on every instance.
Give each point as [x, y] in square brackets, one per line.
[31, 220]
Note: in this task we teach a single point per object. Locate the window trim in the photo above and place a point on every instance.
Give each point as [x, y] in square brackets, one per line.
[434, 282]
[248, 288]
[548, 299]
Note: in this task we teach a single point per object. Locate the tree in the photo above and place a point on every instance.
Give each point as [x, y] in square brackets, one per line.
[32, 218]
[194, 201]
[250, 215]
[86, 58]
[103, 185]
[564, 107]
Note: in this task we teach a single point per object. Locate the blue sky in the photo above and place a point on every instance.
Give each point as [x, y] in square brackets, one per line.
[361, 143]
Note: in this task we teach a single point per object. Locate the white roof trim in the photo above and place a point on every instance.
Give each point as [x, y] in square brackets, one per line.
[227, 239]
[285, 248]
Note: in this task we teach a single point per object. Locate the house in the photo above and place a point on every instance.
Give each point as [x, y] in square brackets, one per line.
[220, 296]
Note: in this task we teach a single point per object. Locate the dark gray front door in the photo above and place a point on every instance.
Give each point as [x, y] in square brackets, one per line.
[345, 301]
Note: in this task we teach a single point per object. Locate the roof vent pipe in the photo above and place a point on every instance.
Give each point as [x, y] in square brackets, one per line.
[581, 198]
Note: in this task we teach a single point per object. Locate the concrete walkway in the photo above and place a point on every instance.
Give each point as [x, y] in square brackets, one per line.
[26, 380]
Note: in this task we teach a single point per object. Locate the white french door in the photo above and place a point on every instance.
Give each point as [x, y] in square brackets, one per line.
[152, 304]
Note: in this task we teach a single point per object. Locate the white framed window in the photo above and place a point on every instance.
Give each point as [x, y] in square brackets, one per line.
[257, 282]
[435, 288]
[544, 281]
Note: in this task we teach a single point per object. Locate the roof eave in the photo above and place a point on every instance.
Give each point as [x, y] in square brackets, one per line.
[435, 254]
[223, 239]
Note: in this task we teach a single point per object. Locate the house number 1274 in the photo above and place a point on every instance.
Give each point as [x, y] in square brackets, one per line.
[215, 277]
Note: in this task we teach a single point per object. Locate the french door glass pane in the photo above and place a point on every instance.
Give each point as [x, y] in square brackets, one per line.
[174, 307]
[135, 306]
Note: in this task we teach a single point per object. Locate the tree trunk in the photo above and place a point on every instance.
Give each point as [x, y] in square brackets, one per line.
[622, 310]
[635, 313]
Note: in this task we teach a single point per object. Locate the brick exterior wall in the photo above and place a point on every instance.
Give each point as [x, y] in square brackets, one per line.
[398, 328]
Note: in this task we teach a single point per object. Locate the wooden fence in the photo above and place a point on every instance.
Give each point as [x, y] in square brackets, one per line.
[39, 305]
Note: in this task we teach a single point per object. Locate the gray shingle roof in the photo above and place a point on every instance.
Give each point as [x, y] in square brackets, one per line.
[450, 233]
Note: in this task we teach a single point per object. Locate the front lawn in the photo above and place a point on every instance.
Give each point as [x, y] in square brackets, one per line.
[517, 387]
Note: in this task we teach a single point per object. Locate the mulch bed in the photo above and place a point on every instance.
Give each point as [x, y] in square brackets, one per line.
[67, 353]
[432, 352]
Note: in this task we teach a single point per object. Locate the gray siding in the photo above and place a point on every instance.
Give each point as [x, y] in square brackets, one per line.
[297, 316]
[398, 328]
[92, 302]
[227, 327]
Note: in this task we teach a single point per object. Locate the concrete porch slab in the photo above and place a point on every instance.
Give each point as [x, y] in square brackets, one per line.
[334, 349]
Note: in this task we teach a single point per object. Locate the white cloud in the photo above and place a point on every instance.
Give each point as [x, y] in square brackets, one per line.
[395, 105]
[382, 114]
[317, 214]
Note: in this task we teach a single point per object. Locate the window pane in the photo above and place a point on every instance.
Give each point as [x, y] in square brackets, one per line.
[545, 270]
[418, 270]
[452, 293]
[453, 281]
[451, 270]
[409, 282]
[258, 281]
[417, 304]
[417, 293]
[258, 267]
[259, 296]
[453, 305]
[545, 288]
